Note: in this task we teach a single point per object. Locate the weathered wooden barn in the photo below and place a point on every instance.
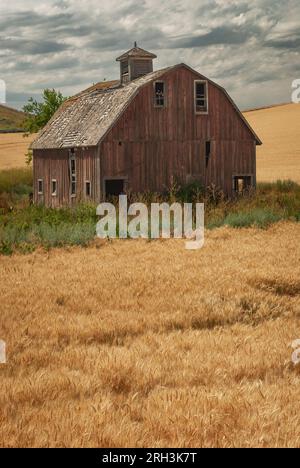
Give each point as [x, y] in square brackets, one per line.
[141, 133]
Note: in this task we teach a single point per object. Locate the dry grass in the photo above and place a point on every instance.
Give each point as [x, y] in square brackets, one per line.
[135, 343]
[13, 147]
[278, 128]
[10, 119]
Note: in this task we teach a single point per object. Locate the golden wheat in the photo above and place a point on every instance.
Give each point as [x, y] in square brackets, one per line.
[136, 343]
[279, 156]
[13, 148]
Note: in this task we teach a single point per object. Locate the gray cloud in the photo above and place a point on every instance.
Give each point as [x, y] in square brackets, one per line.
[70, 44]
[219, 35]
[32, 47]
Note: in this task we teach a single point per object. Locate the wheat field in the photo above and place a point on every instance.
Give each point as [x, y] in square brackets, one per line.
[146, 344]
[278, 128]
[13, 148]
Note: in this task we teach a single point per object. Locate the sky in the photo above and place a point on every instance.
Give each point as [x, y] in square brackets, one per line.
[250, 48]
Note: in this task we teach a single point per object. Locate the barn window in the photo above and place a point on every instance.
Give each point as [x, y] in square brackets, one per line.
[242, 183]
[200, 96]
[159, 94]
[40, 186]
[88, 188]
[125, 71]
[207, 152]
[54, 187]
[73, 174]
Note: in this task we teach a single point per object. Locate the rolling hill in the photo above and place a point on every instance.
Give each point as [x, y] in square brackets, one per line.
[10, 119]
[278, 128]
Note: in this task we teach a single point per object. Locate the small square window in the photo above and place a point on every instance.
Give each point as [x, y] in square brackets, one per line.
[54, 187]
[40, 187]
[88, 188]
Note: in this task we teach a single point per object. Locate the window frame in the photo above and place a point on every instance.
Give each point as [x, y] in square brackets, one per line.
[40, 192]
[164, 105]
[73, 174]
[198, 112]
[88, 183]
[236, 177]
[207, 154]
[54, 192]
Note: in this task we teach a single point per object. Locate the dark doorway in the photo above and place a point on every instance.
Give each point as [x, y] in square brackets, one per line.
[114, 187]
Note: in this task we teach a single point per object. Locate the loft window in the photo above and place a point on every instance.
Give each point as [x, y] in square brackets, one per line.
[125, 71]
[125, 68]
[88, 188]
[159, 94]
[40, 186]
[201, 100]
[73, 174]
[54, 187]
[242, 184]
[207, 152]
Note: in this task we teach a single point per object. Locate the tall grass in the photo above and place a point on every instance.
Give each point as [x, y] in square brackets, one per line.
[16, 181]
[23, 227]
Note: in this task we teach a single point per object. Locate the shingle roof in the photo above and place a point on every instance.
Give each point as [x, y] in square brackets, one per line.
[85, 119]
[136, 52]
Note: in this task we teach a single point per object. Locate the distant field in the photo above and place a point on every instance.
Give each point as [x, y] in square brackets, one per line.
[13, 147]
[279, 129]
[10, 119]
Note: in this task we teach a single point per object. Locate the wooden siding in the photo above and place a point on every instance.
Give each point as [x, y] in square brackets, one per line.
[152, 146]
[54, 164]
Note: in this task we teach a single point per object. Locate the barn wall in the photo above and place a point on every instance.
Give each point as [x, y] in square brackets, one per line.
[54, 164]
[152, 145]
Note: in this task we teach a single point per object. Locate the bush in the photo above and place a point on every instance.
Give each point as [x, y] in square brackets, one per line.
[257, 217]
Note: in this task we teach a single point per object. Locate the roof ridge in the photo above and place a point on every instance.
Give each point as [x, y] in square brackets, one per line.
[94, 111]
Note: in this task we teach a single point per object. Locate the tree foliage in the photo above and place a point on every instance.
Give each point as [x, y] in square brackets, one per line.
[38, 114]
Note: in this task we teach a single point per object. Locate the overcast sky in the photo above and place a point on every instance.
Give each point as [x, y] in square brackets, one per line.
[251, 48]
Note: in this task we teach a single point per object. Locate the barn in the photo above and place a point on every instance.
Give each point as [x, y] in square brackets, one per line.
[141, 133]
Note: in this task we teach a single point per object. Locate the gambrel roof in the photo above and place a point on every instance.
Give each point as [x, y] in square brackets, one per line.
[85, 119]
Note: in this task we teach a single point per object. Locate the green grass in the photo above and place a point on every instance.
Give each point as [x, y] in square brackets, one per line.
[16, 181]
[24, 227]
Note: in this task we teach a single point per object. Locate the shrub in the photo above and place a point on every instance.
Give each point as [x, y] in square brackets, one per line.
[257, 217]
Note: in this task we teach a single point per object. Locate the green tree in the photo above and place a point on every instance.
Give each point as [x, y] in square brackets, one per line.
[38, 114]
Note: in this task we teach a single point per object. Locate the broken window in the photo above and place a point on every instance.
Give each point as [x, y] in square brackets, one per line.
[125, 72]
[159, 94]
[40, 186]
[73, 174]
[88, 188]
[242, 184]
[207, 152]
[201, 101]
[54, 187]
